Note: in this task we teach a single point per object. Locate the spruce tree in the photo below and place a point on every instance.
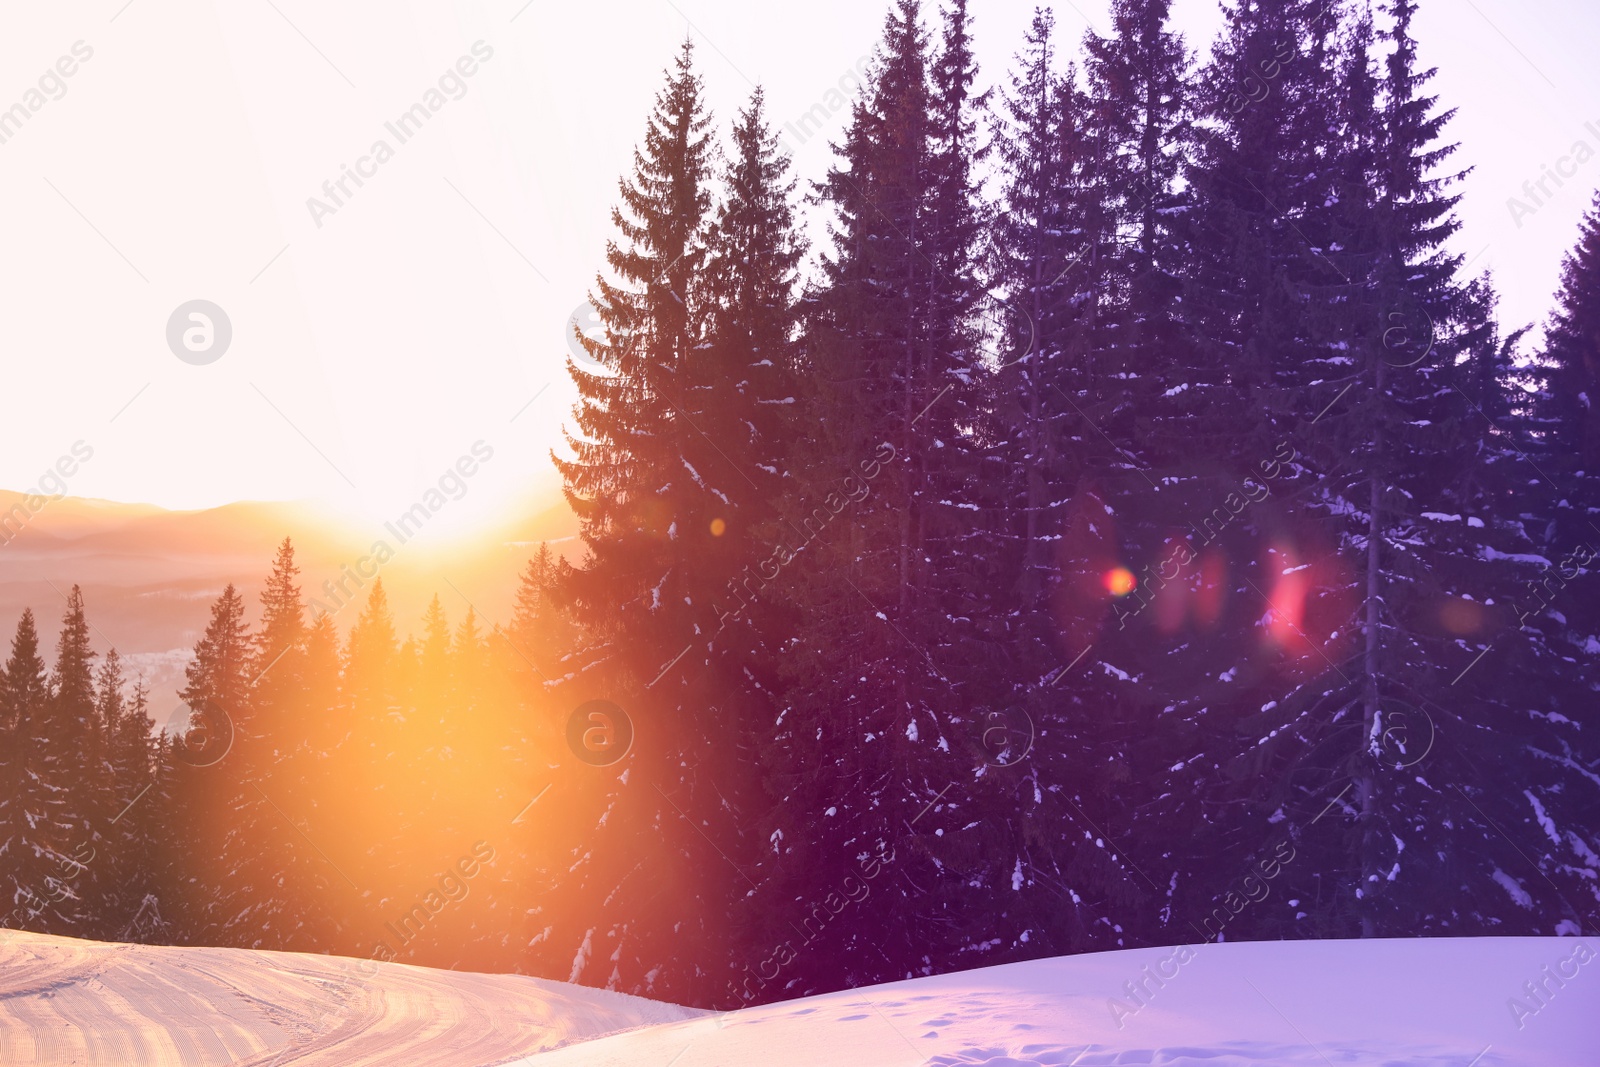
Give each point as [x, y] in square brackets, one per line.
[1045, 245]
[953, 543]
[279, 640]
[109, 711]
[748, 388]
[376, 748]
[1137, 85]
[38, 840]
[370, 656]
[281, 763]
[641, 492]
[1253, 537]
[218, 678]
[542, 633]
[1563, 435]
[628, 480]
[1267, 135]
[1054, 249]
[1138, 127]
[1208, 535]
[147, 837]
[326, 724]
[850, 679]
[1426, 469]
[75, 754]
[877, 671]
[747, 414]
[1387, 582]
[129, 864]
[1562, 421]
[1568, 404]
[222, 900]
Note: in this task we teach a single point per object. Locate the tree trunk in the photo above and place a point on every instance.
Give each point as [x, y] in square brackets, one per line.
[1366, 783]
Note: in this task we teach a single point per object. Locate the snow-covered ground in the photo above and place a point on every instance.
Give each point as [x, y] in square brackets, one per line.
[64, 1001]
[1439, 1003]
[1487, 1002]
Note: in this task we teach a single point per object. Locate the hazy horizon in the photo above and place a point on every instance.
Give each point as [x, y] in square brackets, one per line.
[149, 573]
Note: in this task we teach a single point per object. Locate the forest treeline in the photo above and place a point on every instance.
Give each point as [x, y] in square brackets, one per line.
[1133, 526]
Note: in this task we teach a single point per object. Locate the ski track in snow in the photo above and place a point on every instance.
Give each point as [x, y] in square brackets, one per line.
[65, 1001]
[1381, 1003]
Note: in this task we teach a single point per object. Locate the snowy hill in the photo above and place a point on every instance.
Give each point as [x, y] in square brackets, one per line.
[65, 1001]
[1382, 1003]
[1491, 1002]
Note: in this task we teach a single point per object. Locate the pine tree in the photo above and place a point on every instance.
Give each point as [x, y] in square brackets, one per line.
[279, 640]
[127, 867]
[877, 671]
[1137, 82]
[1138, 127]
[74, 752]
[281, 766]
[370, 656]
[628, 479]
[218, 679]
[38, 843]
[1086, 255]
[223, 902]
[647, 514]
[148, 835]
[1390, 578]
[542, 633]
[1569, 402]
[1052, 214]
[175, 824]
[748, 388]
[1201, 530]
[376, 758]
[1561, 422]
[327, 724]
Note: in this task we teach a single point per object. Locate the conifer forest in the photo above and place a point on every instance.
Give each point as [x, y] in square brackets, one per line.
[1101, 510]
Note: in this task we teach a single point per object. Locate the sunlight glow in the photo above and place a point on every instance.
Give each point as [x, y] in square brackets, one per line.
[1119, 581]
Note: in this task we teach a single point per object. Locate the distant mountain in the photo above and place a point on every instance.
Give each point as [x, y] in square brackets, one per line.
[149, 574]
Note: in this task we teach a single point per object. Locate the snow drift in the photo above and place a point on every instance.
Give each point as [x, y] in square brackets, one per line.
[65, 1001]
[1478, 1002]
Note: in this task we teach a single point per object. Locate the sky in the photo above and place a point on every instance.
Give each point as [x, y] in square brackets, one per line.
[380, 335]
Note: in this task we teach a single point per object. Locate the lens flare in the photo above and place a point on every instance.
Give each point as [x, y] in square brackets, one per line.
[1291, 587]
[1119, 581]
